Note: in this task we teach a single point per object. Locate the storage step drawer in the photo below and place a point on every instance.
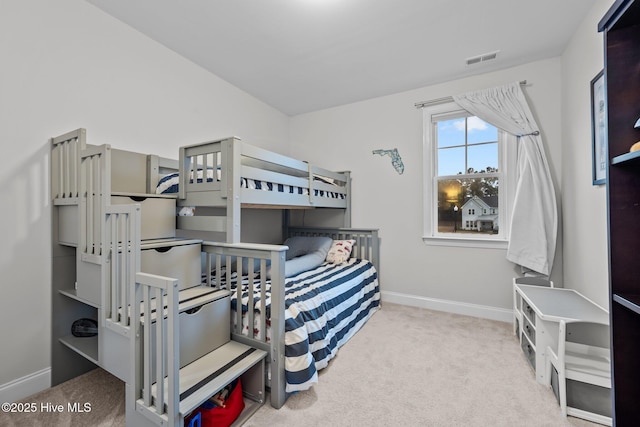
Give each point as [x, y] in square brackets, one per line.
[157, 215]
[202, 329]
[157, 218]
[179, 259]
[176, 258]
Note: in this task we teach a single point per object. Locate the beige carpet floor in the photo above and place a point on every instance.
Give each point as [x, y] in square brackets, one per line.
[406, 367]
[102, 391]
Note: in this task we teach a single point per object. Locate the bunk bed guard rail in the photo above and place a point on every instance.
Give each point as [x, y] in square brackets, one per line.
[254, 254]
[219, 166]
[159, 401]
[65, 158]
[122, 223]
[367, 245]
[212, 173]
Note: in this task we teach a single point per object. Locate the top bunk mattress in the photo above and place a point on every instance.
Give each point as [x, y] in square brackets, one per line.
[169, 184]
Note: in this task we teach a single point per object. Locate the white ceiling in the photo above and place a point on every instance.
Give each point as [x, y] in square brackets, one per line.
[305, 55]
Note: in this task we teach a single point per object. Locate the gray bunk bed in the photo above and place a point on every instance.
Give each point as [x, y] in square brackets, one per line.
[230, 174]
[114, 243]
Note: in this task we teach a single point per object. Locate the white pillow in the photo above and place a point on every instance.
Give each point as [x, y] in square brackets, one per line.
[340, 251]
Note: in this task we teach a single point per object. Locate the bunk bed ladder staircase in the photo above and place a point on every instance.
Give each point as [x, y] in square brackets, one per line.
[139, 335]
[151, 299]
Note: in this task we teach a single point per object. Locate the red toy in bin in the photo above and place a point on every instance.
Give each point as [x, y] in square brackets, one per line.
[220, 415]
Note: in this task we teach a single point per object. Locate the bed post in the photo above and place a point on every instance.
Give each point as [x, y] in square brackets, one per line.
[232, 152]
[183, 173]
[278, 380]
[153, 173]
[347, 211]
[286, 223]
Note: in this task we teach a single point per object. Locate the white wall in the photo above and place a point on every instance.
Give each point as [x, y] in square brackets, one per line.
[412, 272]
[585, 226]
[65, 65]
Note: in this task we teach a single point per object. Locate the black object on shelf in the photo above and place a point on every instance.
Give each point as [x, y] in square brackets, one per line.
[84, 328]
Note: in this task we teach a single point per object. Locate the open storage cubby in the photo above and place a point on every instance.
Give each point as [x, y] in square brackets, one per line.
[621, 28]
[70, 356]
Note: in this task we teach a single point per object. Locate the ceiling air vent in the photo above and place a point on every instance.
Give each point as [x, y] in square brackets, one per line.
[482, 58]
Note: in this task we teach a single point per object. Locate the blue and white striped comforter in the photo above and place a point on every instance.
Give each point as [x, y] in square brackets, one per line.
[325, 307]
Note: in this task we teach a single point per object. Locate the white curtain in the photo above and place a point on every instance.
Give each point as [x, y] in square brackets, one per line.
[534, 220]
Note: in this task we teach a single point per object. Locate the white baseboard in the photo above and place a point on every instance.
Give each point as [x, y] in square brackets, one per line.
[464, 308]
[25, 386]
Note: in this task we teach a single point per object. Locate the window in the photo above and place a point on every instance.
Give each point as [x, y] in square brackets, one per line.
[467, 163]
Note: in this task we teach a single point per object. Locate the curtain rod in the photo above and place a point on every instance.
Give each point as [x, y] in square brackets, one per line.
[445, 99]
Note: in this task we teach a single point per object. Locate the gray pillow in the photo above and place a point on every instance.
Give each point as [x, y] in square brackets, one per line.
[303, 245]
[305, 253]
[302, 263]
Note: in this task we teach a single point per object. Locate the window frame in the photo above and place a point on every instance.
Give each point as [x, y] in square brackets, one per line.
[507, 160]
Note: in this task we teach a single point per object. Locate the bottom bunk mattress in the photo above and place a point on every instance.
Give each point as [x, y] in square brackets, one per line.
[324, 308]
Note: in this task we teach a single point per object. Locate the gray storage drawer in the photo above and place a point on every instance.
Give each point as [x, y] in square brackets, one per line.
[529, 330]
[529, 352]
[157, 218]
[157, 215]
[177, 259]
[202, 329]
[529, 313]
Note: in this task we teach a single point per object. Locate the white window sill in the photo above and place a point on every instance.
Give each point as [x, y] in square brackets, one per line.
[465, 242]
